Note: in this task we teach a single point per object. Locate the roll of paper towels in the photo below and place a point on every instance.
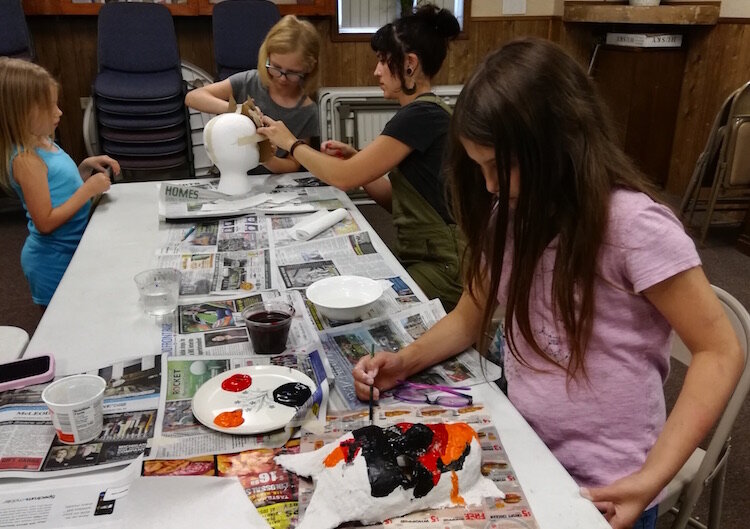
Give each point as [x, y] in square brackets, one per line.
[316, 223]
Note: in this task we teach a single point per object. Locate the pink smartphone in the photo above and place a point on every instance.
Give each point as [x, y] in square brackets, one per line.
[26, 372]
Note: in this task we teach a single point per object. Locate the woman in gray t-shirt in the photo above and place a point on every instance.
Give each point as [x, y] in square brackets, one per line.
[281, 87]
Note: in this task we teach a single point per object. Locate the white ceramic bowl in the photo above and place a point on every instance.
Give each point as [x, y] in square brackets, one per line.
[346, 298]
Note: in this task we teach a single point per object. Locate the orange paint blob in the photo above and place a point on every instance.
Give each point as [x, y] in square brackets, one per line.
[229, 419]
[456, 498]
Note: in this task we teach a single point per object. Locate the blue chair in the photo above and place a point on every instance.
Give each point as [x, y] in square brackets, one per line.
[15, 39]
[239, 27]
[137, 52]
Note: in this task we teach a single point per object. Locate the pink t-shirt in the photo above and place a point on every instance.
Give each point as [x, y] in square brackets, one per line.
[601, 429]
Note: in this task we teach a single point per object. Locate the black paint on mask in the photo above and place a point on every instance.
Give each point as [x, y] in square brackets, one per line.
[392, 458]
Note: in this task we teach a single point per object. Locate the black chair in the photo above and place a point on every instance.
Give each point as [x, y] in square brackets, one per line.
[139, 90]
[15, 39]
[239, 27]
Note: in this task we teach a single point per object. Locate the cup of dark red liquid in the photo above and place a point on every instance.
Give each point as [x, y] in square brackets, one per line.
[268, 324]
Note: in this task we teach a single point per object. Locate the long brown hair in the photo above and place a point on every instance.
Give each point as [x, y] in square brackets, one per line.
[539, 110]
[24, 87]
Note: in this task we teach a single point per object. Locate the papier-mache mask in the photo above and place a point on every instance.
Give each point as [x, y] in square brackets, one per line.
[234, 146]
[373, 473]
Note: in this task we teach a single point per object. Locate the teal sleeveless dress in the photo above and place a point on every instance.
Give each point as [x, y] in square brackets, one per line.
[44, 258]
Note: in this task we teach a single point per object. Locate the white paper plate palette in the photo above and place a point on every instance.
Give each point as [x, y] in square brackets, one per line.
[251, 400]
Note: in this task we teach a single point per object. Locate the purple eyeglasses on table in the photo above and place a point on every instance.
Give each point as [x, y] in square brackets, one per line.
[420, 393]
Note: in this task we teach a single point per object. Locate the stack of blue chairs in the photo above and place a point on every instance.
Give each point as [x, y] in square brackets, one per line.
[138, 91]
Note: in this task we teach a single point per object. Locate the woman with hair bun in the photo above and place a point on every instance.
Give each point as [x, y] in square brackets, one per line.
[410, 52]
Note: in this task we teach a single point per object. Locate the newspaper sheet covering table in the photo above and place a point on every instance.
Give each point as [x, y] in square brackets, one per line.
[302, 264]
[248, 232]
[28, 443]
[223, 272]
[270, 488]
[281, 496]
[81, 501]
[346, 344]
[203, 200]
[179, 435]
[214, 326]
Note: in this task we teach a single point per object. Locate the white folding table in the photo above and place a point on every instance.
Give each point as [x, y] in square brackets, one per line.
[94, 320]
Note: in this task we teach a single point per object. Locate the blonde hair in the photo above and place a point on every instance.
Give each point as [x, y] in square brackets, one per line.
[24, 87]
[292, 35]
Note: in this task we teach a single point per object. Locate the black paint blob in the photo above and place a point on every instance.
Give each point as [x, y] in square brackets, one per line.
[292, 394]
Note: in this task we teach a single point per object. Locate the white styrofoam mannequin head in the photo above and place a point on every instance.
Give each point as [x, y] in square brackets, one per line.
[232, 145]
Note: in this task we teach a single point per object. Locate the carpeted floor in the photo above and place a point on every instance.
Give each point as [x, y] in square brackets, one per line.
[725, 266]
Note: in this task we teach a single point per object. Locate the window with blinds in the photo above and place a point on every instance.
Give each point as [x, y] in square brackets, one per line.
[366, 16]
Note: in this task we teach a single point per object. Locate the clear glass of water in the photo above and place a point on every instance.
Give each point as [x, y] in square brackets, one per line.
[159, 289]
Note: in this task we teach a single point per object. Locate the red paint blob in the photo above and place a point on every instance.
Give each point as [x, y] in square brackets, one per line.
[237, 383]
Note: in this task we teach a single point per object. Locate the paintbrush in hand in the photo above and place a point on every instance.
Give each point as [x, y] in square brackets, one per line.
[372, 387]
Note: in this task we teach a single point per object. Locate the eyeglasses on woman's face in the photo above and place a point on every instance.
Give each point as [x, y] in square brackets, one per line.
[432, 394]
[278, 73]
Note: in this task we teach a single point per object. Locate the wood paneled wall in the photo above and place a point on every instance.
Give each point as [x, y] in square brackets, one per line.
[718, 61]
[352, 63]
[66, 45]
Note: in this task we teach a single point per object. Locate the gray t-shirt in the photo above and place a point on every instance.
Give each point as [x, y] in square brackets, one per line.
[302, 121]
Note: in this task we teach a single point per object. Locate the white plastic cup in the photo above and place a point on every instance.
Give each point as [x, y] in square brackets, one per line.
[159, 289]
[75, 405]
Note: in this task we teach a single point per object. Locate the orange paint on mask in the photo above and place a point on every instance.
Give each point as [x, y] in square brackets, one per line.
[334, 457]
[459, 435]
[341, 453]
[456, 498]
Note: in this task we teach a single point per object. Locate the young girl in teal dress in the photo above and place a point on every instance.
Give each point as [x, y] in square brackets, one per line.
[56, 194]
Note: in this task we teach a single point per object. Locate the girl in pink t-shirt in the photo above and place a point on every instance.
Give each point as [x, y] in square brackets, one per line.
[592, 274]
